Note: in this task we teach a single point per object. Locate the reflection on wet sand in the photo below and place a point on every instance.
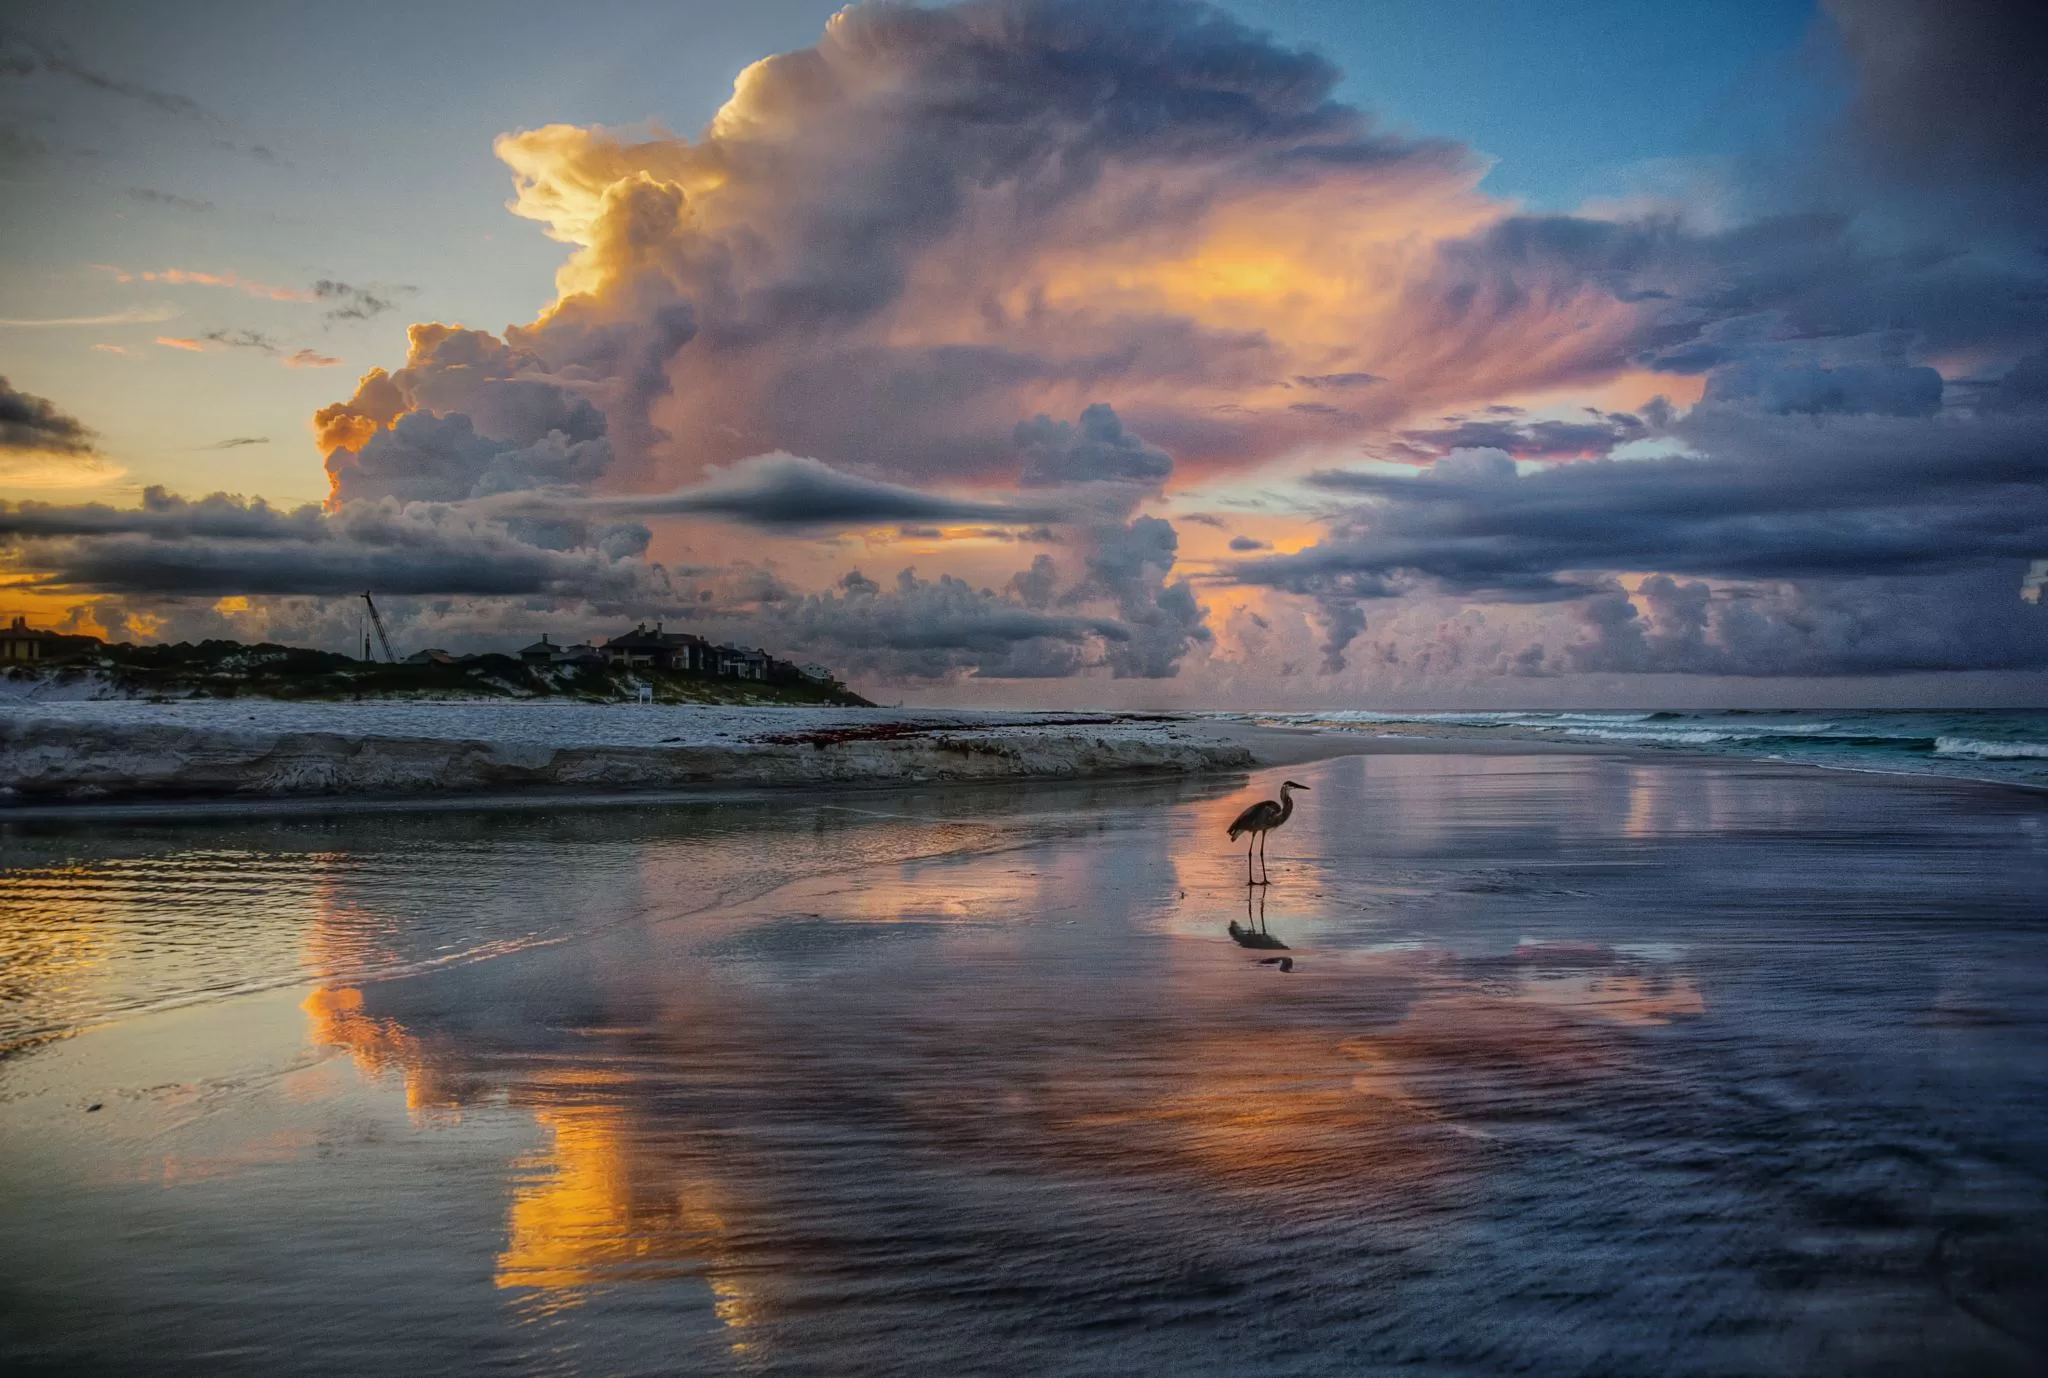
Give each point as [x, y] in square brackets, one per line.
[1252, 933]
[894, 1088]
[668, 1095]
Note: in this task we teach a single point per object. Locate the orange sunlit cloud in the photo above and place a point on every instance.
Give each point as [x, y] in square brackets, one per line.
[57, 472]
[180, 342]
[193, 278]
[309, 358]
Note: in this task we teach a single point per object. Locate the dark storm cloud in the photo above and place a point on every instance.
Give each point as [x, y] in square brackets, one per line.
[1097, 450]
[1887, 388]
[164, 515]
[928, 629]
[1780, 499]
[218, 546]
[2024, 387]
[788, 492]
[1530, 439]
[32, 423]
[500, 568]
[1132, 565]
[1824, 518]
[1947, 94]
[1962, 621]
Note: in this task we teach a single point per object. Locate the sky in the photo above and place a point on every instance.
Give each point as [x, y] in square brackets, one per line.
[1291, 353]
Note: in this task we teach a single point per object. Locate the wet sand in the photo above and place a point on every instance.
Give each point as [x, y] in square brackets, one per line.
[1585, 1064]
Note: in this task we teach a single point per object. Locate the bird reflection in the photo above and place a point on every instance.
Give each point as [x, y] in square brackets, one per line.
[1252, 932]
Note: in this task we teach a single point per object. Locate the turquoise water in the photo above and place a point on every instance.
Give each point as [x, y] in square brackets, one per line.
[2004, 745]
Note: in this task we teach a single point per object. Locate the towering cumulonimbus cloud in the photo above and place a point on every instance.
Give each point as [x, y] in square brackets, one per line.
[1048, 261]
[889, 248]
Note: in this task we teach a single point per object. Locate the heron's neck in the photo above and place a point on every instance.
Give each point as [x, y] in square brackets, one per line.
[1286, 802]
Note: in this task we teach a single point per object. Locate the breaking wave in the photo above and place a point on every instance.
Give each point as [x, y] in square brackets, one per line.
[1991, 751]
[1972, 744]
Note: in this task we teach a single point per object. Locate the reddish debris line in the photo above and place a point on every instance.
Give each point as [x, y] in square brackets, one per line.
[896, 731]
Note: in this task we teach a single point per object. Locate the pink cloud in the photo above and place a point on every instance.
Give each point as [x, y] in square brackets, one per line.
[187, 277]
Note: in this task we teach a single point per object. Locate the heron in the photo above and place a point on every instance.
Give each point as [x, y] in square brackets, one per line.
[1260, 819]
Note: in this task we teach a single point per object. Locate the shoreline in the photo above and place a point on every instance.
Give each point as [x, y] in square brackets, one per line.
[55, 768]
[57, 771]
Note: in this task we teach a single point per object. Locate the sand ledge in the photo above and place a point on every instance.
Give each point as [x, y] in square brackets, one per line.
[45, 762]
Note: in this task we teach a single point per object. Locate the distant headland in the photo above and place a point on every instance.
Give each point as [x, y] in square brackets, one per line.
[644, 663]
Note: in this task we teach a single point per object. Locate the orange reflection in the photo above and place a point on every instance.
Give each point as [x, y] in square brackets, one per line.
[582, 1213]
[1348, 1085]
[1265, 1110]
[48, 935]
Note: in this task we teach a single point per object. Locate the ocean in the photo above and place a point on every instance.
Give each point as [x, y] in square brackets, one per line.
[2008, 746]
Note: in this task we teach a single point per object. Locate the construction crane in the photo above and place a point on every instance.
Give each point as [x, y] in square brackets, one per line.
[383, 638]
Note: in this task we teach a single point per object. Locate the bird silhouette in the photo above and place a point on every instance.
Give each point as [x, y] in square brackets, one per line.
[1260, 819]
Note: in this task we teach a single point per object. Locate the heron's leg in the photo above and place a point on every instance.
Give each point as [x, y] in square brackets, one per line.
[1250, 845]
[1264, 874]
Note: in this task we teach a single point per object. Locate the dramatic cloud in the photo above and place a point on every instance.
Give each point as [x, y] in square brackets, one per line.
[932, 629]
[220, 546]
[467, 416]
[172, 550]
[1099, 449]
[43, 448]
[1847, 510]
[1597, 434]
[888, 249]
[968, 256]
[429, 458]
[788, 492]
[34, 424]
[1944, 99]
